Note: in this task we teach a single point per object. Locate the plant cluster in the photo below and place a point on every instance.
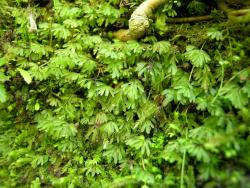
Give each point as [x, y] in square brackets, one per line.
[79, 108]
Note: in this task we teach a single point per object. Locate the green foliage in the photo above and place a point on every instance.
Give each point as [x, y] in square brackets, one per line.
[3, 94]
[79, 108]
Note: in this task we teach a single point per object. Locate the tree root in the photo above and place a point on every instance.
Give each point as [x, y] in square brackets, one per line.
[240, 16]
[189, 19]
[139, 21]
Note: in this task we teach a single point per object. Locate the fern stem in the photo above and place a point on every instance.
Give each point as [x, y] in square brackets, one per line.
[190, 76]
[221, 83]
[143, 165]
[183, 164]
[233, 77]
[203, 44]
[222, 76]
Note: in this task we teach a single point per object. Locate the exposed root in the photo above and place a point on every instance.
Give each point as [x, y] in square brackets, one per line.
[242, 15]
[139, 21]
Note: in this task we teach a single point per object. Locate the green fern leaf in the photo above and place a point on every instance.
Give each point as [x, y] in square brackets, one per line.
[26, 75]
[197, 57]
